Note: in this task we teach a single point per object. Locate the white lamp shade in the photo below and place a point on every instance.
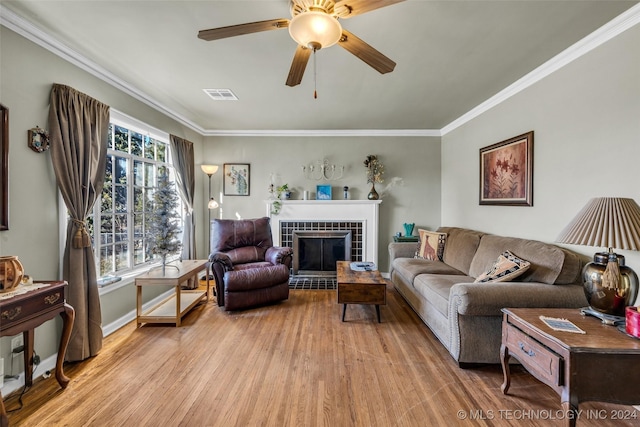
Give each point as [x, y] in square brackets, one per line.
[315, 27]
[209, 169]
[212, 204]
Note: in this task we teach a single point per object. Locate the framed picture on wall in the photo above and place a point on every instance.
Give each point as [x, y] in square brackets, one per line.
[236, 179]
[4, 167]
[506, 172]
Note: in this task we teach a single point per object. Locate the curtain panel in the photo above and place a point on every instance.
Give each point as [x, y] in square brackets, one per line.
[78, 126]
[183, 161]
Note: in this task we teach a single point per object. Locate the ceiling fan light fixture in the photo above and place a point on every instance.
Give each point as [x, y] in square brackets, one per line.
[312, 29]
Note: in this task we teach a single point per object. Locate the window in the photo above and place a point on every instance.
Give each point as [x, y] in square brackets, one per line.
[119, 222]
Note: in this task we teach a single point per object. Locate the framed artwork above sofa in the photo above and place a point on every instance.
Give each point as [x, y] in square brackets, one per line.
[506, 172]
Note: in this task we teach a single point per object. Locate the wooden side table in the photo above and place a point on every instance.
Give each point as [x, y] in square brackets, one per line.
[601, 365]
[360, 287]
[172, 309]
[23, 313]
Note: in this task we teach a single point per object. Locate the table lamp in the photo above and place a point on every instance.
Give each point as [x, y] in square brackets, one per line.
[609, 222]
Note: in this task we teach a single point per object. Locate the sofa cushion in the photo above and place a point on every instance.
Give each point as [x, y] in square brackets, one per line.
[409, 268]
[546, 259]
[431, 245]
[461, 246]
[507, 267]
[435, 288]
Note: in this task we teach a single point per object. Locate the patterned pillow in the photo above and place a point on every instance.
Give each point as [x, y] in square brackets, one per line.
[507, 267]
[431, 245]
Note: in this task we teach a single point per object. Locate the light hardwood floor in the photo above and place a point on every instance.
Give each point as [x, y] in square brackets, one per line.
[291, 364]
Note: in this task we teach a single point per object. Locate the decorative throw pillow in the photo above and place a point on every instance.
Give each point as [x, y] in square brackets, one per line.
[507, 267]
[431, 245]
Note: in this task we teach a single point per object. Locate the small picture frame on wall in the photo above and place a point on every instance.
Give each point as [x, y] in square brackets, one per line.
[323, 192]
[506, 172]
[236, 179]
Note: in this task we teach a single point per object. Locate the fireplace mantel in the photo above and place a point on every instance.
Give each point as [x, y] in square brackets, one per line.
[365, 211]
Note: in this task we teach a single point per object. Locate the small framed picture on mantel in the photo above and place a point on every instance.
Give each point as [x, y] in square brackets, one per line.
[323, 192]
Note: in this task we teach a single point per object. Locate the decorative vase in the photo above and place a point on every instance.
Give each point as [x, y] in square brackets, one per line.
[408, 228]
[373, 194]
[11, 273]
[608, 300]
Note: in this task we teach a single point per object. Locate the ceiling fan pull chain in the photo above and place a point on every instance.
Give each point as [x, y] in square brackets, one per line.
[315, 85]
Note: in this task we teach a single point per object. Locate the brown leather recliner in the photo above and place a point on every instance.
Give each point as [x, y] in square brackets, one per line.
[248, 270]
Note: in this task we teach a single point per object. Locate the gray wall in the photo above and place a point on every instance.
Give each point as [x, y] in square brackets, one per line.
[26, 75]
[414, 160]
[586, 119]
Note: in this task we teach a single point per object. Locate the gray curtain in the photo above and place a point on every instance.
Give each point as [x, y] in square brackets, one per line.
[183, 161]
[78, 126]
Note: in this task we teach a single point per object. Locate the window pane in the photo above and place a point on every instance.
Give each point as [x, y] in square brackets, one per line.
[138, 199]
[138, 252]
[106, 260]
[138, 224]
[108, 173]
[106, 200]
[122, 256]
[110, 136]
[121, 170]
[149, 176]
[136, 144]
[120, 228]
[106, 229]
[121, 139]
[148, 148]
[121, 199]
[161, 151]
[138, 173]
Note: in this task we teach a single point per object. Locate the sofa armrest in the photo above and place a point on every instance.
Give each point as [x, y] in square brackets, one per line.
[402, 250]
[487, 299]
[279, 255]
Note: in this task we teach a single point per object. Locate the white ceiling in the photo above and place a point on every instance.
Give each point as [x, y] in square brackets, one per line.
[451, 56]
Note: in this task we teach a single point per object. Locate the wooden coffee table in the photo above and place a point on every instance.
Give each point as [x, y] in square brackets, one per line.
[600, 365]
[360, 287]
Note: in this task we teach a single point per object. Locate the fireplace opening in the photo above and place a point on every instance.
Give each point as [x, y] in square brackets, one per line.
[315, 253]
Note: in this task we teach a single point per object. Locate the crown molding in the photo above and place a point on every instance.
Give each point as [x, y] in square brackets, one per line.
[621, 23]
[613, 28]
[326, 132]
[19, 25]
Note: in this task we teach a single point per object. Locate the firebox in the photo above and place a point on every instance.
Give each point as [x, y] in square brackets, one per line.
[315, 252]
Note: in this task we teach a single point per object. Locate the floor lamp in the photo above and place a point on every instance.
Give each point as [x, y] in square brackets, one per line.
[212, 204]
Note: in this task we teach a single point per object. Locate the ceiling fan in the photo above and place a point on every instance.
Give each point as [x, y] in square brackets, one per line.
[315, 25]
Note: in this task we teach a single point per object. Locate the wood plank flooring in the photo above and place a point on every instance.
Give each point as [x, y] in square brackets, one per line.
[292, 364]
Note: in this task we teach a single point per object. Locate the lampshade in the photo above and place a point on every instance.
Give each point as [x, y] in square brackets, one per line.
[315, 29]
[212, 204]
[209, 169]
[608, 222]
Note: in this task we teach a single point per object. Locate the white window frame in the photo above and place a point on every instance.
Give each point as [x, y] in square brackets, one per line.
[126, 276]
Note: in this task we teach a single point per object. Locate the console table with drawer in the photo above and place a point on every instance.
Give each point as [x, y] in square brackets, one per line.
[24, 312]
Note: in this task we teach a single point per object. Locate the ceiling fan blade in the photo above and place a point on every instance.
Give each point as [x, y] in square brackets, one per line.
[350, 8]
[365, 52]
[241, 29]
[300, 59]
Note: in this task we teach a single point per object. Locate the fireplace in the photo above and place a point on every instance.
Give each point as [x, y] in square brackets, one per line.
[315, 252]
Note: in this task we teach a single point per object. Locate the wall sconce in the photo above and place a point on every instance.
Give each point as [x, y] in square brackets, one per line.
[322, 170]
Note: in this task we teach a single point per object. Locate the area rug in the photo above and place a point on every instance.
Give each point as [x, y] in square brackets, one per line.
[312, 283]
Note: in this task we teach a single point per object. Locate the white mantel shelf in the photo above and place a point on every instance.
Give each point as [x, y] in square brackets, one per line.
[331, 210]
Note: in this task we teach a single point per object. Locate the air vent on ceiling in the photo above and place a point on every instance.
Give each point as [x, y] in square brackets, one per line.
[221, 94]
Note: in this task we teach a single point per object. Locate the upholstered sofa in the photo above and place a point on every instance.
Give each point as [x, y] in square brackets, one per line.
[465, 316]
